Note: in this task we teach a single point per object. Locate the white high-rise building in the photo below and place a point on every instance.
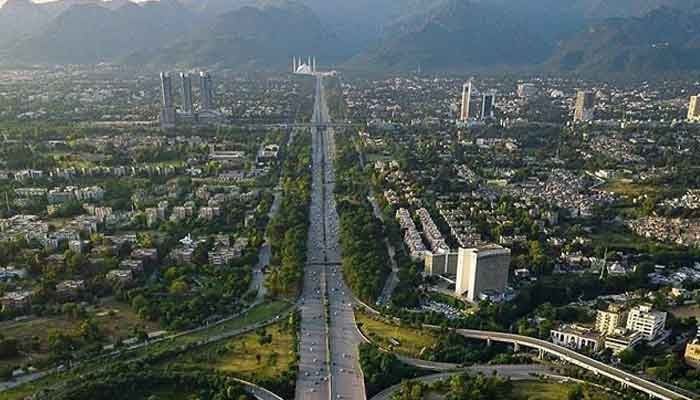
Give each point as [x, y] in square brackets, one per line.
[650, 323]
[466, 101]
[482, 270]
[694, 109]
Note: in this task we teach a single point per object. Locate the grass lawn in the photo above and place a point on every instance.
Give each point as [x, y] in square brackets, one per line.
[631, 189]
[247, 356]
[412, 341]
[535, 390]
[258, 313]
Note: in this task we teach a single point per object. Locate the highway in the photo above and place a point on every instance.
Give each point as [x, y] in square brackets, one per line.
[328, 366]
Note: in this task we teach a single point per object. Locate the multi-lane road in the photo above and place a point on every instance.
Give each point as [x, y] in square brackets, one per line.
[328, 364]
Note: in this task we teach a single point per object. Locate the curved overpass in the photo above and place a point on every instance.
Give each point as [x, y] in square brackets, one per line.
[580, 360]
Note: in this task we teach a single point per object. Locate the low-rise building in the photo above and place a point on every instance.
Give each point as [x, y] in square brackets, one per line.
[621, 340]
[16, 301]
[692, 354]
[577, 338]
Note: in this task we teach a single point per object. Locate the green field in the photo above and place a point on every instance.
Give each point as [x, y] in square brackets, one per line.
[412, 341]
[534, 390]
[246, 355]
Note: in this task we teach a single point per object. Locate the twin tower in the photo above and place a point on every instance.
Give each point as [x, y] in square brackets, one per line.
[169, 115]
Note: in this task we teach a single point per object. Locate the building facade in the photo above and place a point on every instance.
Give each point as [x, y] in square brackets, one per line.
[585, 103]
[648, 322]
[481, 270]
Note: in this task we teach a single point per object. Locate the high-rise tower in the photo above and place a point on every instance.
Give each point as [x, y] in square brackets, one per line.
[694, 109]
[585, 103]
[466, 101]
[487, 105]
[207, 91]
[167, 113]
[186, 93]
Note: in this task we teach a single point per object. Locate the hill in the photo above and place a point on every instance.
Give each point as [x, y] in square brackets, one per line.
[664, 40]
[264, 36]
[91, 33]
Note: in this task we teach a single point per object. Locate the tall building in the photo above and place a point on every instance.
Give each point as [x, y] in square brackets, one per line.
[487, 105]
[608, 321]
[648, 322]
[466, 101]
[482, 270]
[694, 109]
[186, 93]
[206, 91]
[585, 103]
[167, 113]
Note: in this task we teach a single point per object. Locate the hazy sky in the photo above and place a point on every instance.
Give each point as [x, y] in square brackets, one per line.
[2, 2]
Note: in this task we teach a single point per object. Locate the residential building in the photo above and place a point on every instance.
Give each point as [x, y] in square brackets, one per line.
[441, 263]
[608, 321]
[16, 301]
[650, 323]
[206, 88]
[482, 269]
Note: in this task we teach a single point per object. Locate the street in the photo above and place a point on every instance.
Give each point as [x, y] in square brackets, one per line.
[328, 355]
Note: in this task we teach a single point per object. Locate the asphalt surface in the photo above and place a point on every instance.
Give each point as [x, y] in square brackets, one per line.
[328, 366]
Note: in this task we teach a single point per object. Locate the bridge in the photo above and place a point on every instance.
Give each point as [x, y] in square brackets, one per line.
[625, 378]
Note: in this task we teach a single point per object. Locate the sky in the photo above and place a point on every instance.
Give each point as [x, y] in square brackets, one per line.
[2, 2]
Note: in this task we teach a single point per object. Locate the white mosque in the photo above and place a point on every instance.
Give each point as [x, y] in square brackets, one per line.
[304, 68]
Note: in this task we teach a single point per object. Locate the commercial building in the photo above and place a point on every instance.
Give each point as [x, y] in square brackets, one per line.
[694, 109]
[692, 354]
[481, 270]
[167, 113]
[585, 104]
[648, 322]
[186, 93]
[577, 338]
[466, 101]
[488, 101]
[206, 88]
[608, 321]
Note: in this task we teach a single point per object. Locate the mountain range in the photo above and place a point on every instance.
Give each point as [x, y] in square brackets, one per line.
[621, 36]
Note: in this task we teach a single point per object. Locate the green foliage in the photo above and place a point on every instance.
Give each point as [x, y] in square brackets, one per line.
[381, 369]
